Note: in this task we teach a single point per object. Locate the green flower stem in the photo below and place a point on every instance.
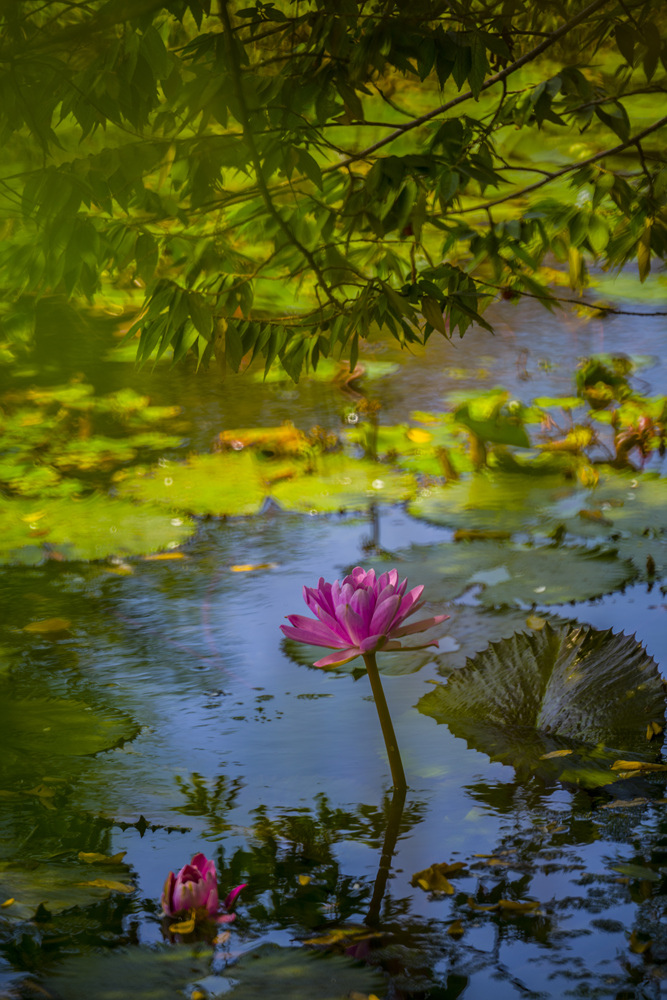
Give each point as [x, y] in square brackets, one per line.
[395, 762]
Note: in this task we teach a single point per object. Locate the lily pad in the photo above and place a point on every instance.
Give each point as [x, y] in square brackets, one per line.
[224, 484]
[389, 665]
[93, 528]
[268, 971]
[567, 688]
[513, 574]
[512, 502]
[342, 483]
[436, 450]
[57, 887]
[43, 729]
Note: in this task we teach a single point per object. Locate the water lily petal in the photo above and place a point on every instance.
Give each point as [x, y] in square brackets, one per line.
[353, 624]
[337, 659]
[312, 636]
[409, 603]
[419, 626]
[384, 614]
[233, 896]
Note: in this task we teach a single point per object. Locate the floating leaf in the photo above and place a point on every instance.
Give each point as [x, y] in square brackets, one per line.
[637, 765]
[494, 501]
[342, 483]
[225, 484]
[105, 883]
[51, 886]
[512, 574]
[48, 626]
[93, 528]
[92, 857]
[434, 878]
[268, 971]
[563, 688]
[44, 729]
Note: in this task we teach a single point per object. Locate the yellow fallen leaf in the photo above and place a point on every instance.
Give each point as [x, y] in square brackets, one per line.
[653, 729]
[103, 883]
[418, 436]
[47, 625]
[455, 929]
[556, 753]
[43, 791]
[515, 906]
[535, 622]
[8, 902]
[31, 518]
[250, 567]
[433, 878]
[624, 803]
[304, 879]
[183, 926]
[636, 765]
[92, 857]
[165, 556]
[500, 854]
[478, 906]
[197, 995]
[338, 935]
[637, 946]
[222, 938]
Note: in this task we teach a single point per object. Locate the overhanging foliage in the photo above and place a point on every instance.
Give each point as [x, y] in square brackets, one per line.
[284, 180]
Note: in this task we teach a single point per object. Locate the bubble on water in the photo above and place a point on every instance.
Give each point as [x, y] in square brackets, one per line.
[176, 522]
[378, 484]
[352, 418]
[168, 481]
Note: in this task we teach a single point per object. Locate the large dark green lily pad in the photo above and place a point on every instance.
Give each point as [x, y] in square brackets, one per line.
[92, 528]
[268, 971]
[571, 689]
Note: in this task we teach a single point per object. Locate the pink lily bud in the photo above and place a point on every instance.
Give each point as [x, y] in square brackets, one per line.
[194, 888]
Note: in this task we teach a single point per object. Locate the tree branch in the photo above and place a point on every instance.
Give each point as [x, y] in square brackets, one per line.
[256, 161]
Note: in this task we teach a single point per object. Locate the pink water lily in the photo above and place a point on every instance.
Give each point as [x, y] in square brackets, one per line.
[195, 888]
[360, 616]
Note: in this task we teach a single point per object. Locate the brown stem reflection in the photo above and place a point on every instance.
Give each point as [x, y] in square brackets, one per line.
[388, 847]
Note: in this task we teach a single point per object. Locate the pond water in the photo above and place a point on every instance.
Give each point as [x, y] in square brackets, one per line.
[166, 716]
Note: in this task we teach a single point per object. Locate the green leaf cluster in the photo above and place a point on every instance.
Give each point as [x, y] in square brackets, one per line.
[282, 182]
